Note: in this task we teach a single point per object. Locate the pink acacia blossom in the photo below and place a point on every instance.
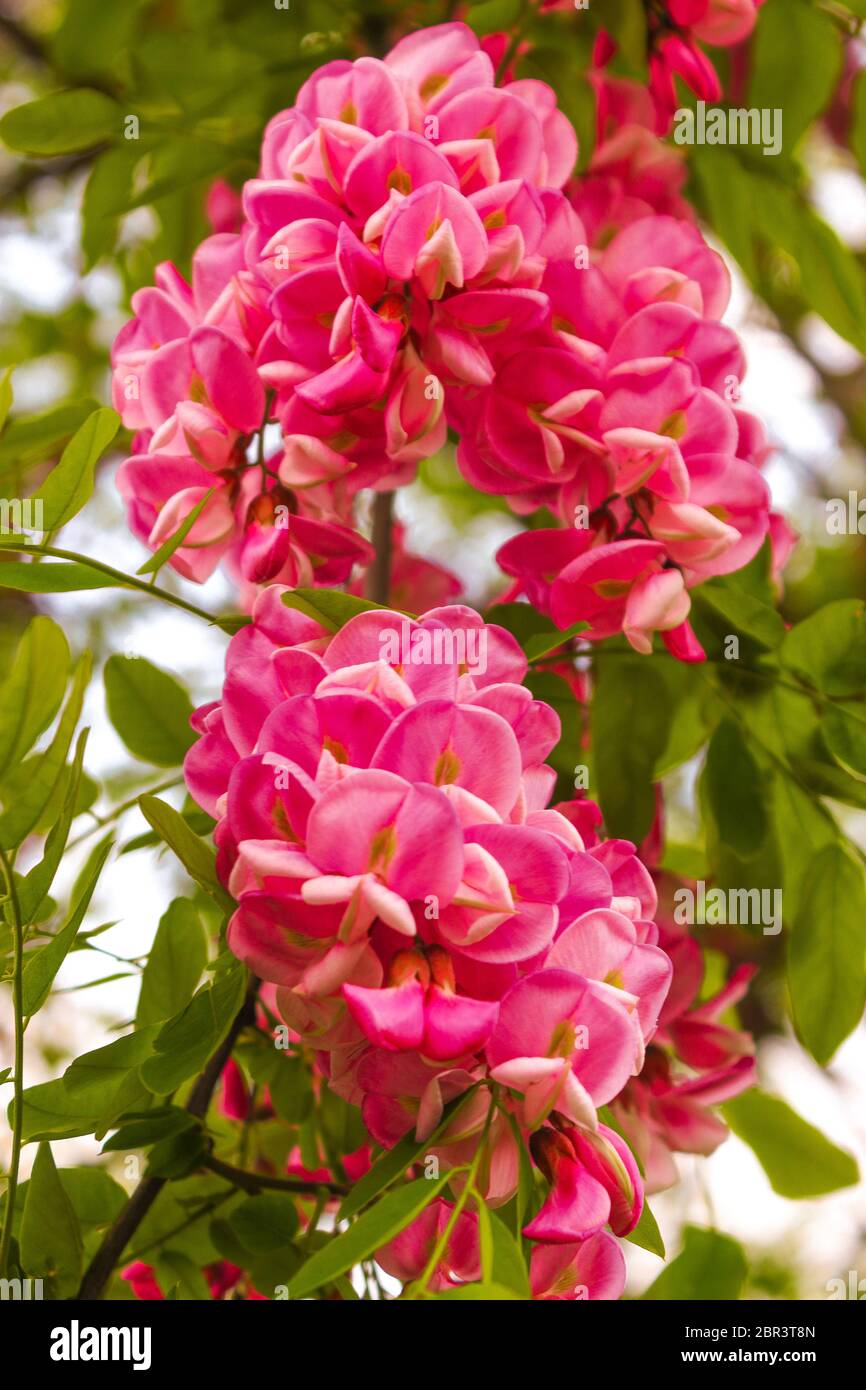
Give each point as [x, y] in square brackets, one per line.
[415, 255]
[677, 52]
[695, 1062]
[431, 923]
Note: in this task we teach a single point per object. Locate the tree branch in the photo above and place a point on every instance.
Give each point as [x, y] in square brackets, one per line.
[119, 1234]
[22, 39]
[377, 582]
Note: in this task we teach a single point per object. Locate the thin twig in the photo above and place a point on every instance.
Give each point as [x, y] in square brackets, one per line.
[129, 581]
[256, 1182]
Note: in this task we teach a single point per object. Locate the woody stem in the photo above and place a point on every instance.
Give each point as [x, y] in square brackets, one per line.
[377, 584]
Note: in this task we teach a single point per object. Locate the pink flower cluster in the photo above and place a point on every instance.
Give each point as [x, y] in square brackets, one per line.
[436, 931]
[412, 258]
[675, 31]
[676, 37]
[624, 421]
[695, 1062]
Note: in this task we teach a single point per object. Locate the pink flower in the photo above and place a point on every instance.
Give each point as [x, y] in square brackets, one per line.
[563, 1043]
[667, 1109]
[408, 264]
[433, 927]
[593, 1180]
[588, 1269]
[421, 1010]
[623, 587]
[406, 1256]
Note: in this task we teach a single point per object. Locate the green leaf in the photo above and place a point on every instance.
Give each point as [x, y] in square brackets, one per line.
[178, 1154]
[754, 206]
[509, 1266]
[395, 1163]
[330, 607]
[723, 184]
[797, 1158]
[736, 790]
[69, 485]
[290, 1089]
[494, 16]
[61, 123]
[91, 36]
[95, 1196]
[140, 1131]
[265, 1223]
[542, 644]
[107, 188]
[50, 1113]
[175, 964]
[844, 730]
[626, 19]
[182, 160]
[181, 1277]
[197, 858]
[569, 752]
[829, 648]
[149, 709]
[96, 1078]
[5, 395]
[831, 279]
[537, 635]
[827, 952]
[746, 615]
[156, 561]
[565, 69]
[375, 1228]
[29, 439]
[711, 1267]
[646, 1233]
[25, 812]
[630, 725]
[51, 1244]
[691, 718]
[803, 829]
[786, 30]
[184, 1044]
[31, 694]
[41, 966]
[47, 578]
[34, 888]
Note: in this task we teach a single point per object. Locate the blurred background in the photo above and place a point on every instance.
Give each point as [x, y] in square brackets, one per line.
[65, 279]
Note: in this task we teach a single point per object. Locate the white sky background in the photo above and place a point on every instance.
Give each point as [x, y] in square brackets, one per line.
[823, 1239]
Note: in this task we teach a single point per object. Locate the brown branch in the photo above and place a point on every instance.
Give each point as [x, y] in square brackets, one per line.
[22, 39]
[377, 582]
[26, 175]
[119, 1234]
[256, 1182]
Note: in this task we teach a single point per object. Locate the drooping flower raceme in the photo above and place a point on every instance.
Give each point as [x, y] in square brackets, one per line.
[437, 932]
[412, 257]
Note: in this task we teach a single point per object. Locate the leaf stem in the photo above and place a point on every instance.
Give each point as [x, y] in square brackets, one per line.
[441, 1245]
[129, 581]
[101, 821]
[18, 1009]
